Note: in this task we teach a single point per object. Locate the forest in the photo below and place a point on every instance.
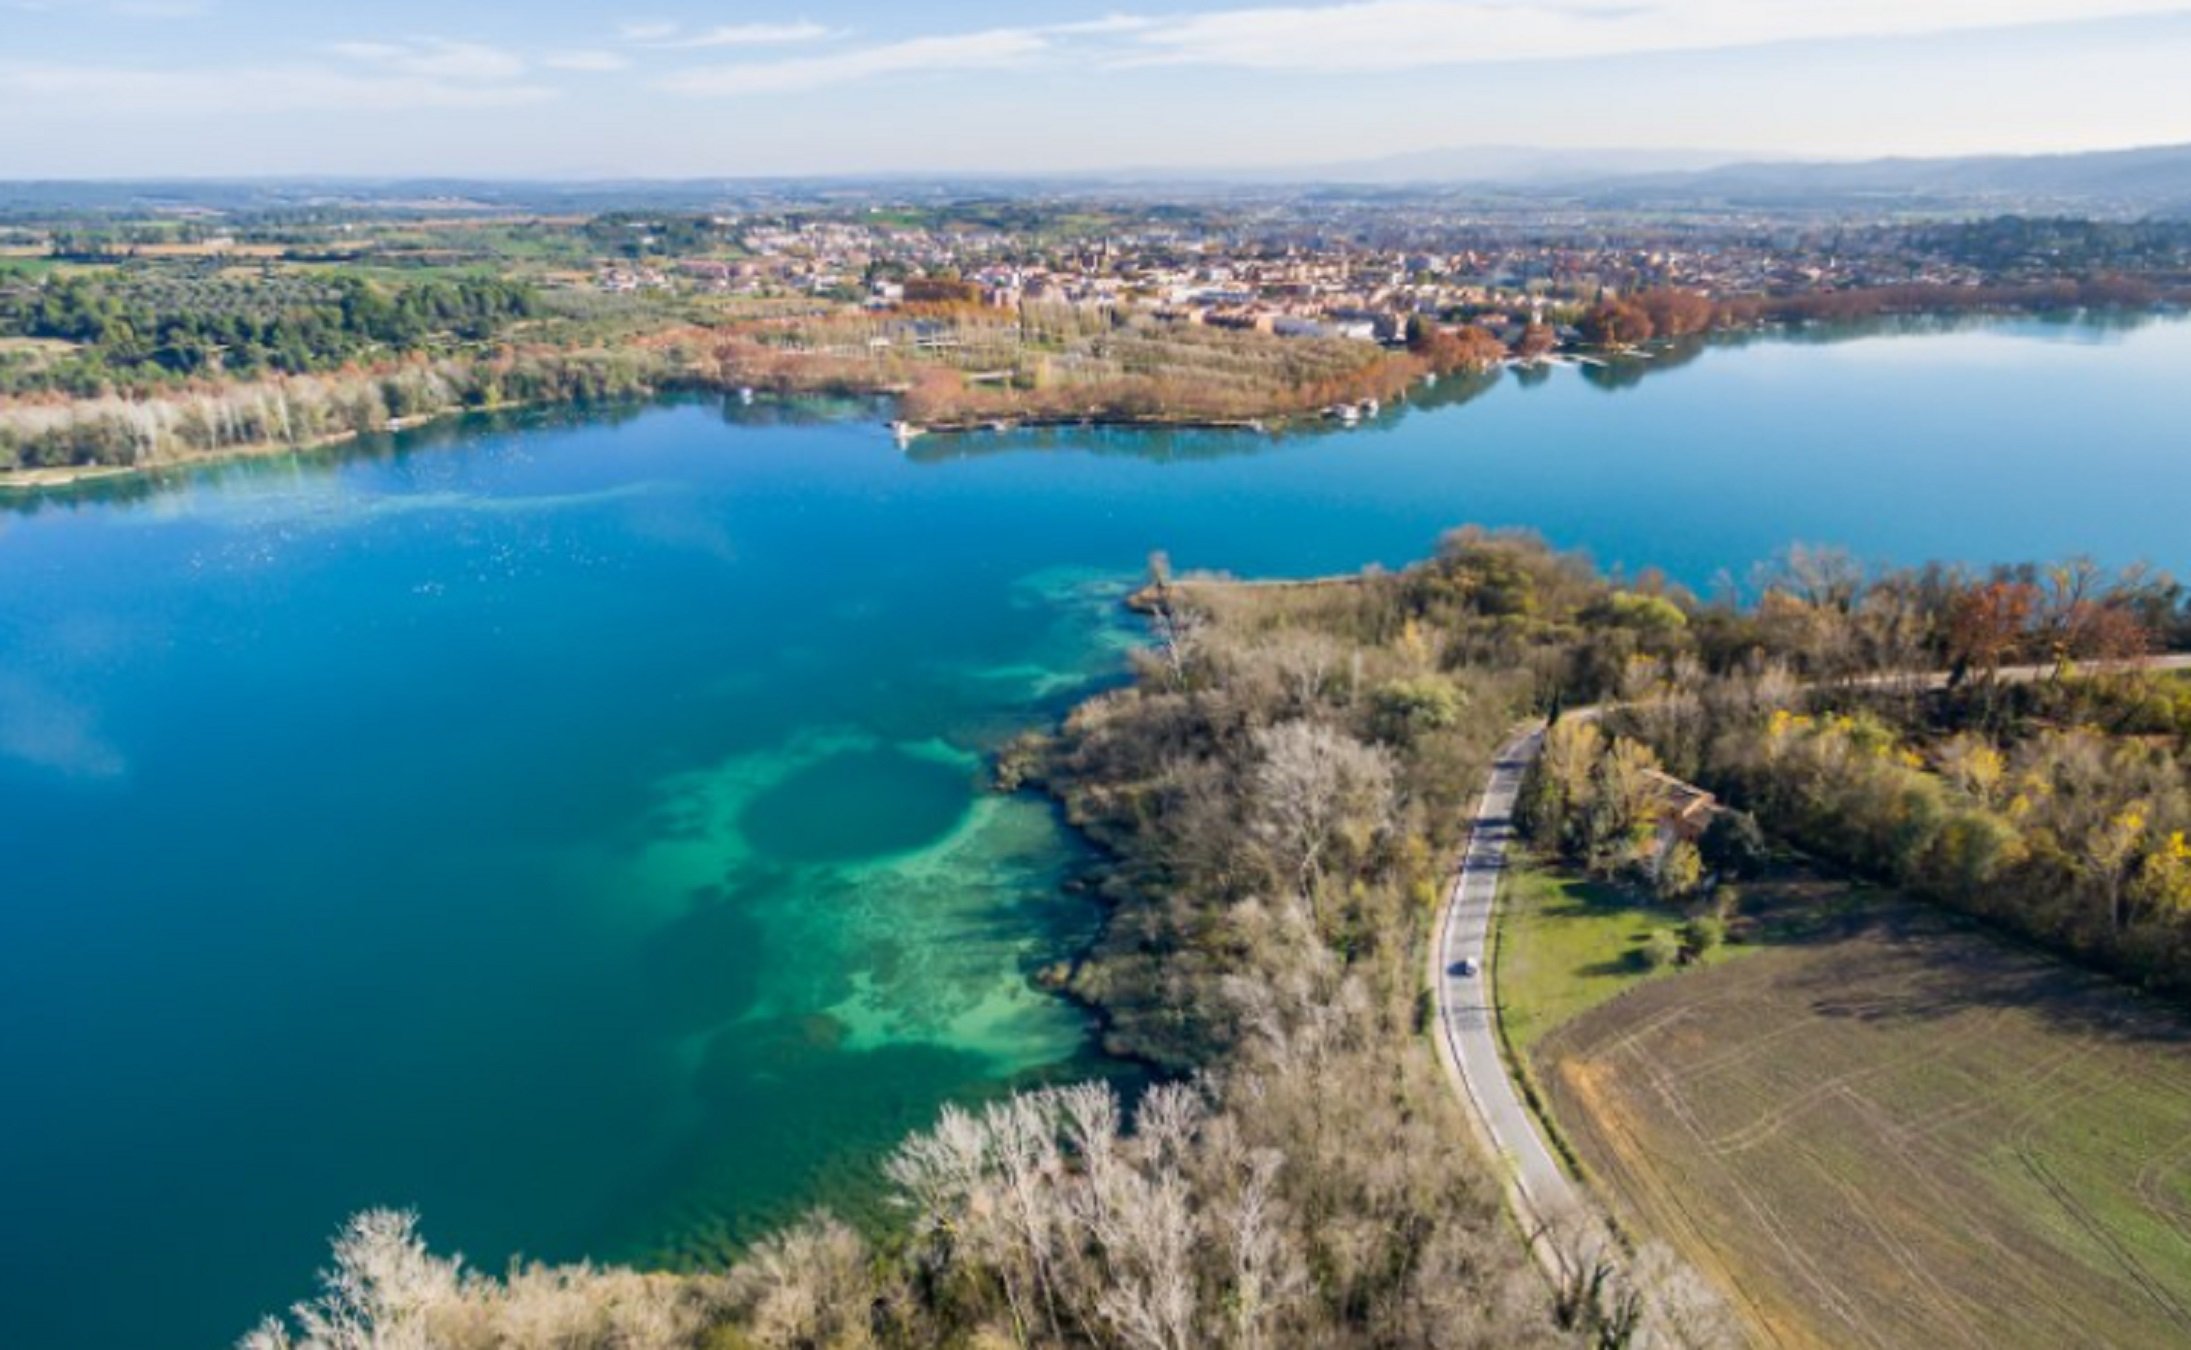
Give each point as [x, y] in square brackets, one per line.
[137, 329]
[309, 410]
[955, 364]
[2037, 782]
[1665, 313]
[286, 361]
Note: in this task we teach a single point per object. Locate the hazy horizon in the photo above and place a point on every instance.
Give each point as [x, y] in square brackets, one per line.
[132, 89]
[1576, 160]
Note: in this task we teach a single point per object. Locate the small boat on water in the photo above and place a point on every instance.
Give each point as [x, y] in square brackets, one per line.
[904, 433]
[745, 395]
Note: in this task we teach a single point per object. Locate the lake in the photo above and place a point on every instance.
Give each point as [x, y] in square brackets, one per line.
[572, 827]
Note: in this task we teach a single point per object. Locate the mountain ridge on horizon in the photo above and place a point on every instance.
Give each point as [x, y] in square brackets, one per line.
[2153, 178]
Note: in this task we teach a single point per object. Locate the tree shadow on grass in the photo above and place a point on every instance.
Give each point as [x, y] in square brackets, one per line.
[1630, 962]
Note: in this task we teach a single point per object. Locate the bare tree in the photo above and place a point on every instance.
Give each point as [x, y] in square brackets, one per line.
[387, 1291]
[1179, 629]
[1305, 664]
[810, 1286]
[382, 1293]
[1317, 787]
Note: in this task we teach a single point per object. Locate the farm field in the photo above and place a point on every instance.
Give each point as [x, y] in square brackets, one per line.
[1886, 1128]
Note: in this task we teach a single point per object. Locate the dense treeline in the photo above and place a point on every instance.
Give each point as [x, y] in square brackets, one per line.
[137, 328]
[115, 432]
[2071, 831]
[1451, 351]
[1625, 321]
[1279, 790]
[1597, 802]
[2054, 803]
[956, 363]
[632, 234]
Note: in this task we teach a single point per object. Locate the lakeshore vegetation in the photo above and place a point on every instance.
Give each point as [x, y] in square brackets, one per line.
[1279, 791]
[131, 342]
[104, 378]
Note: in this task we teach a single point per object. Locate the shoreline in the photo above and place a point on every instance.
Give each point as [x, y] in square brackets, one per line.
[23, 484]
[1122, 421]
[31, 481]
[17, 484]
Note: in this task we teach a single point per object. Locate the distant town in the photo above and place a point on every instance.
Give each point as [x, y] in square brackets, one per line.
[1362, 274]
[147, 329]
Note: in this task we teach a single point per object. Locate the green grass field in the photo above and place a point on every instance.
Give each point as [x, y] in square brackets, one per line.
[1567, 945]
[1881, 1126]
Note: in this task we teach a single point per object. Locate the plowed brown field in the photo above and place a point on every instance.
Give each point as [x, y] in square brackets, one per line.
[1901, 1133]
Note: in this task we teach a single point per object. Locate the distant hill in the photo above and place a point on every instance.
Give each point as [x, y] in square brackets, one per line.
[1498, 165]
[2144, 180]
[2153, 179]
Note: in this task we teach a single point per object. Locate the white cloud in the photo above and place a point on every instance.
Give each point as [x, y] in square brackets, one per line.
[436, 59]
[587, 62]
[994, 49]
[1369, 35]
[647, 31]
[730, 35]
[1109, 23]
[369, 51]
[130, 90]
[1399, 34]
[161, 9]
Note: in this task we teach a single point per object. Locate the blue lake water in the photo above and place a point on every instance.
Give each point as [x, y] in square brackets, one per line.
[571, 827]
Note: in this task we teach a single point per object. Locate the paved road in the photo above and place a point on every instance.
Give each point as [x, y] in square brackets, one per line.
[1538, 1188]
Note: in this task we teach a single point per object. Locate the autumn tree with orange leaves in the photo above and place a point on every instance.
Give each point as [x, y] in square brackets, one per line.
[1616, 323]
[1448, 350]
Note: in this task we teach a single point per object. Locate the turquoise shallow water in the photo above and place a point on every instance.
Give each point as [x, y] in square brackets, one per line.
[571, 827]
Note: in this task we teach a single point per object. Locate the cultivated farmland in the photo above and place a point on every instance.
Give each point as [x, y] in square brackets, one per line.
[1899, 1133]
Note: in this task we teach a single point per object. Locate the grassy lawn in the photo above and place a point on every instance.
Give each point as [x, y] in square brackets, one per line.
[1567, 945]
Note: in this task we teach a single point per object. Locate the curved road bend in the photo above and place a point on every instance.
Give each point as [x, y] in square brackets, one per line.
[1538, 1188]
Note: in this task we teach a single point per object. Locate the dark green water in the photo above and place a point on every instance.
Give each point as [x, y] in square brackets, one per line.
[571, 827]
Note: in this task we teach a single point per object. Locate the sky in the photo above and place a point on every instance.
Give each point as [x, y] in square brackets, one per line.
[686, 88]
